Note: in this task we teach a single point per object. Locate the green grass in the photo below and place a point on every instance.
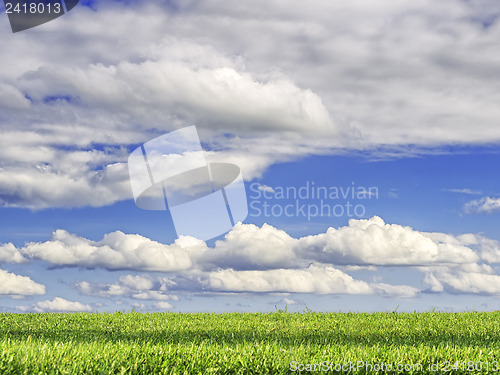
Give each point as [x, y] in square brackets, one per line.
[172, 343]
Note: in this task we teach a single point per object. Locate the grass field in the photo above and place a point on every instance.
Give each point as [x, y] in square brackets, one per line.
[272, 343]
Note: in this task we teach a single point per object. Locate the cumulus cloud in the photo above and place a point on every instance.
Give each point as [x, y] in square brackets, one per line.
[247, 246]
[58, 304]
[15, 285]
[115, 251]
[363, 243]
[9, 253]
[374, 242]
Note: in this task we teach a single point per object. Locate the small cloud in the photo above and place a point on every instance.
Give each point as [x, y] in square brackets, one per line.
[269, 189]
[288, 301]
[393, 193]
[485, 205]
[464, 191]
[162, 305]
[9, 253]
[58, 304]
[136, 287]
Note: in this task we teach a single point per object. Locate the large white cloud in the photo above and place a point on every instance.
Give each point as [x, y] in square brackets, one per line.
[15, 285]
[374, 242]
[316, 278]
[115, 251]
[247, 246]
[333, 75]
[366, 242]
[230, 99]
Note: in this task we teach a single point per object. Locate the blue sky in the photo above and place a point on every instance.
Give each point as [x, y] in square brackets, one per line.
[397, 98]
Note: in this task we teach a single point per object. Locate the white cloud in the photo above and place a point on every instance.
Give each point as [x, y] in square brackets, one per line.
[222, 93]
[269, 189]
[247, 246]
[15, 285]
[162, 305]
[367, 243]
[485, 205]
[486, 248]
[474, 279]
[398, 91]
[9, 253]
[136, 287]
[374, 242]
[85, 287]
[115, 251]
[397, 291]
[59, 304]
[152, 295]
[136, 282]
[43, 186]
[464, 191]
[316, 278]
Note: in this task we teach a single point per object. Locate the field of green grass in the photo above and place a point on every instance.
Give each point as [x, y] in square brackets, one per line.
[271, 343]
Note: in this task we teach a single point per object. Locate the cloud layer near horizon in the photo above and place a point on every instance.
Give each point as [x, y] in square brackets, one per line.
[268, 260]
